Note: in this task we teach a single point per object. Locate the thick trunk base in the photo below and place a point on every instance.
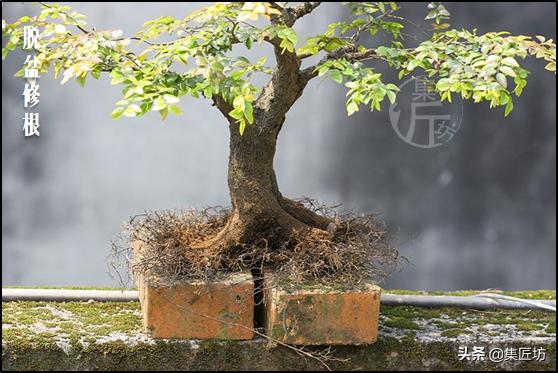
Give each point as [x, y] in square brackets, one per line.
[273, 226]
[260, 213]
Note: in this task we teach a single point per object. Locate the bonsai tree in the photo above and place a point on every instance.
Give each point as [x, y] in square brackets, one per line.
[200, 56]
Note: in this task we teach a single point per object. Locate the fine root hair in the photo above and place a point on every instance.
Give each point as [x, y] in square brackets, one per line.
[163, 248]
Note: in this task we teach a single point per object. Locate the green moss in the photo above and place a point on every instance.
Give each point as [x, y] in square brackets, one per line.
[278, 332]
[289, 287]
[448, 318]
[387, 354]
[414, 312]
[551, 328]
[411, 334]
[23, 315]
[103, 318]
[89, 328]
[401, 323]
[449, 325]
[224, 314]
[453, 333]
[24, 323]
[528, 326]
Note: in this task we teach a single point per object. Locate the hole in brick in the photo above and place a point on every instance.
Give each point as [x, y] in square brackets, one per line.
[259, 306]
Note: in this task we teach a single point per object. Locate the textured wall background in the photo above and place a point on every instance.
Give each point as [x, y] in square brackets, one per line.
[478, 212]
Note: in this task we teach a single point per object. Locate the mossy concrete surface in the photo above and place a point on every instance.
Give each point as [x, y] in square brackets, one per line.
[108, 336]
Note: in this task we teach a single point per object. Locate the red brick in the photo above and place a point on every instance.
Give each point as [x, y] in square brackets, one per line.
[222, 309]
[322, 316]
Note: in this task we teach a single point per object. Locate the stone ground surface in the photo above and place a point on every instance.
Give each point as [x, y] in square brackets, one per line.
[93, 335]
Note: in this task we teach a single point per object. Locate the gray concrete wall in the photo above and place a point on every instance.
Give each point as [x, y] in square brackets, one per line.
[476, 213]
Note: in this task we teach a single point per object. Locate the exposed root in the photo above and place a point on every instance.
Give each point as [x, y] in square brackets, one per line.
[309, 216]
[174, 248]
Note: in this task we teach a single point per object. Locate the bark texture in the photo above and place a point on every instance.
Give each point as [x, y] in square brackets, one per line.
[259, 210]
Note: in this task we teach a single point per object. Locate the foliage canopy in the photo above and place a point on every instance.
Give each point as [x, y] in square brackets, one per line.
[172, 57]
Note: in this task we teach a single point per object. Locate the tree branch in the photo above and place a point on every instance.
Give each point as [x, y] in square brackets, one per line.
[301, 10]
[349, 53]
[220, 103]
[284, 88]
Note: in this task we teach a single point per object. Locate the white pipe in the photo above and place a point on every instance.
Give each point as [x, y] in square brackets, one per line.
[66, 295]
[535, 303]
[480, 301]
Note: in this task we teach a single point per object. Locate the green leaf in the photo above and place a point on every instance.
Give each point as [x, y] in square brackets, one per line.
[117, 77]
[117, 113]
[292, 36]
[159, 104]
[67, 75]
[208, 91]
[249, 112]
[288, 38]
[57, 67]
[81, 81]
[510, 61]
[509, 107]
[170, 99]
[443, 85]
[391, 96]
[323, 69]
[248, 43]
[239, 103]
[502, 80]
[173, 109]
[237, 114]
[132, 111]
[507, 70]
[412, 65]
[286, 45]
[336, 76]
[352, 108]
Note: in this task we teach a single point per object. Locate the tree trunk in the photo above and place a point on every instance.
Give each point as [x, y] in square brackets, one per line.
[259, 211]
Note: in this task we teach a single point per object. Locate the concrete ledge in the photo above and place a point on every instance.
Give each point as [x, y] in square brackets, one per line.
[108, 336]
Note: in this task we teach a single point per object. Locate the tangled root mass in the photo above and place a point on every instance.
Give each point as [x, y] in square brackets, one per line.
[357, 250]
